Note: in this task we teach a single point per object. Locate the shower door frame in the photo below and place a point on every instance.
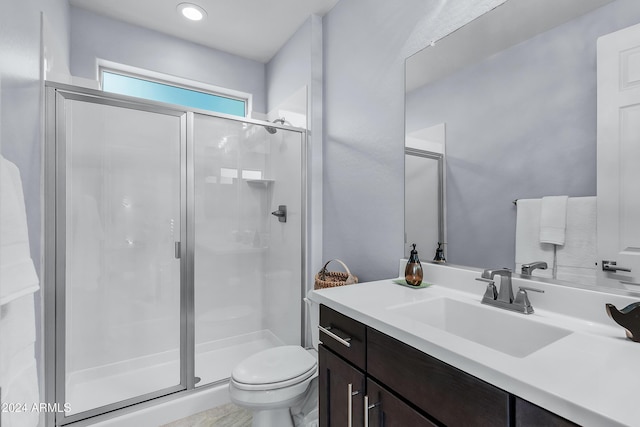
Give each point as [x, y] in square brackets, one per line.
[54, 220]
[56, 180]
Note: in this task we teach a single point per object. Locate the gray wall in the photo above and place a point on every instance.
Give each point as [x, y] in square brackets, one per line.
[290, 68]
[521, 124]
[20, 108]
[365, 45]
[94, 36]
[20, 94]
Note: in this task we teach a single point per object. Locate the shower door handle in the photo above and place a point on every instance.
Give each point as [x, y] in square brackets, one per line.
[176, 250]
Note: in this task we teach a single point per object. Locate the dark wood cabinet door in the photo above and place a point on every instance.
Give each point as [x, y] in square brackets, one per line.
[530, 415]
[341, 391]
[447, 394]
[386, 410]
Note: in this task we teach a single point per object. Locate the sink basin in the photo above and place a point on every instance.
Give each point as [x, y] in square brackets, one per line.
[507, 332]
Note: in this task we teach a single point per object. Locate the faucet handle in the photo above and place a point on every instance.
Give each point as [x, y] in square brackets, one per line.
[526, 288]
[491, 293]
[522, 299]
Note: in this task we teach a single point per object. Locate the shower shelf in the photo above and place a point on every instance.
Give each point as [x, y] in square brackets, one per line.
[264, 182]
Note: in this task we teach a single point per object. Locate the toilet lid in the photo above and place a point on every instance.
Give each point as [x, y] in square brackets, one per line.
[274, 365]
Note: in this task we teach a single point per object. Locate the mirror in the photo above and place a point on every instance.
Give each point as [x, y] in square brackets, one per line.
[424, 190]
[516, 92]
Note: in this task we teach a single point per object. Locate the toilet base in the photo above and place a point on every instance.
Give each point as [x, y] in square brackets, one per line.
[280, 417]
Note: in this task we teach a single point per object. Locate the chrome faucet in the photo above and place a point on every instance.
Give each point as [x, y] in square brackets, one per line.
[527, 269]
[504, 297]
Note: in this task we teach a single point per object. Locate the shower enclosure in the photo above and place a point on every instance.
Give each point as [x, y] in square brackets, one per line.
[164, 265]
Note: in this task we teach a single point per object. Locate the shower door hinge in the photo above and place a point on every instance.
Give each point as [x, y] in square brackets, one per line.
[177, 250]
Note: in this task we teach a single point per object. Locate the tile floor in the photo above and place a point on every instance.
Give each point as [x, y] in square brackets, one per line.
[228, 415]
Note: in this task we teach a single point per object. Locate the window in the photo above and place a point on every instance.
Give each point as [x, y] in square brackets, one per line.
[164, 92]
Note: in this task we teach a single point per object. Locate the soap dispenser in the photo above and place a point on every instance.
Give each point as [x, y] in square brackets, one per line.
[439, 254]
[413, 270]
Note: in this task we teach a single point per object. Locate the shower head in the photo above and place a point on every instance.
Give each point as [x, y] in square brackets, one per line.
[273, 130]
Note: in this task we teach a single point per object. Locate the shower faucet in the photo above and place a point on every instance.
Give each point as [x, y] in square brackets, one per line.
[281, 213]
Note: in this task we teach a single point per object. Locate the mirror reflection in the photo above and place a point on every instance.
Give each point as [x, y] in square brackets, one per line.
[516, 92]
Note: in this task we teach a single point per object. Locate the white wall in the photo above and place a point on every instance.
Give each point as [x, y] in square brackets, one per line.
[365, 45]
[94, 36]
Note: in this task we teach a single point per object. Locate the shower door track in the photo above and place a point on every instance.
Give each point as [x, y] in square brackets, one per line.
[55, 249]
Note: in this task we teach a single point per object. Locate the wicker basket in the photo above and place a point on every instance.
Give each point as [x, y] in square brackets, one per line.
[331, 279]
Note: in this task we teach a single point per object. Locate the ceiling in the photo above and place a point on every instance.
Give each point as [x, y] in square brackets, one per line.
[254, 29]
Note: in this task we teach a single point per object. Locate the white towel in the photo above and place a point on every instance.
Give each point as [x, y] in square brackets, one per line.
[17, 272]
[528, 246]
[18, 328]
[21, 388]
[553, 219]
[577, 258]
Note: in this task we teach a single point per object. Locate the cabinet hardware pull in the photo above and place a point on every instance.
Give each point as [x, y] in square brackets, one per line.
[350, 394]
[343, 341]
[367, 407]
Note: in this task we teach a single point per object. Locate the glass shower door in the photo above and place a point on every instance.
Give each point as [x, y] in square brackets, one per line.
[247, 263]
[119, 185]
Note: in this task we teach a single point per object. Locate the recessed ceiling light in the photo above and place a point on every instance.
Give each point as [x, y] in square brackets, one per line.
[192, 11]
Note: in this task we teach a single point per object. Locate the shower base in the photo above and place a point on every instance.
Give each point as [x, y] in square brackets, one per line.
[100, 386]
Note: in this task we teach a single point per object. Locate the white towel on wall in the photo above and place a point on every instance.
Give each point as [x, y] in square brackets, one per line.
[553, 220]
[17, 273]
[577, 258]
[528, 246]
[17, 328]
[22, 388]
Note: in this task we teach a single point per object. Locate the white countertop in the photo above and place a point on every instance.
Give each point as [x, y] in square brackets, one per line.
[588, 377]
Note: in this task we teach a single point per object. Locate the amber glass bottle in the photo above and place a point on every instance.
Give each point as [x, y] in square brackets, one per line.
[413, 270]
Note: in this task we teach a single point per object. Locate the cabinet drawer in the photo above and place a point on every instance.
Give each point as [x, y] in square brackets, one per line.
[389, 411]
[451, 396]
[345, 336]
[530, 415]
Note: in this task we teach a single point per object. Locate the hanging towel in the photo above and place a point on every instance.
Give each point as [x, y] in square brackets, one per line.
[17, 272]
[577, 258]
[18, 328]
[21, 387]
[528, 246]
[553, 219]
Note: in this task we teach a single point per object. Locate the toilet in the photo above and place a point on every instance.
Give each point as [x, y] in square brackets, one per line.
[273, 382]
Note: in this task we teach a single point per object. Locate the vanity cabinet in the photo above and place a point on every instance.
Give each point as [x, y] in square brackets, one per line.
[447, 394]
[401, 386]
[530, 415]
[342, 388]
[387, 410]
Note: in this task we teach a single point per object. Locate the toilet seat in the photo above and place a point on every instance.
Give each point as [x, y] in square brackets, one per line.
[274, 368]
